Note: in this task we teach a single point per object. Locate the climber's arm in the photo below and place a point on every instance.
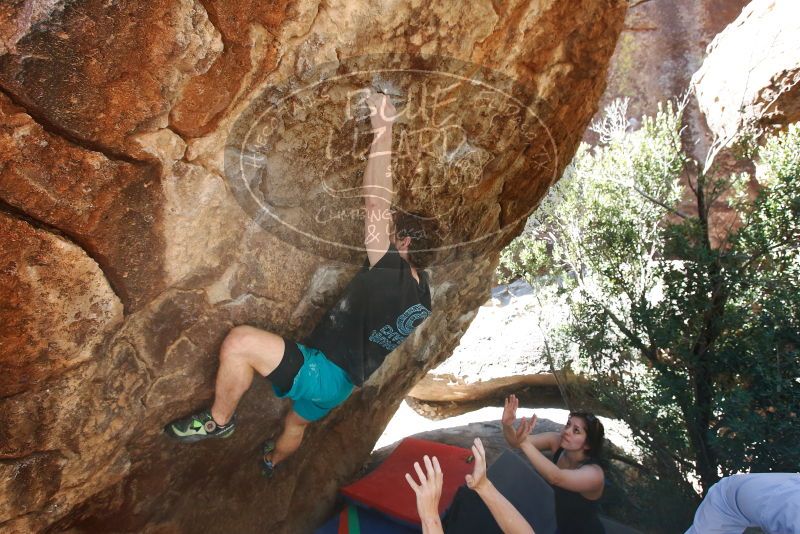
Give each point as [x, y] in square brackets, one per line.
[377, 186]
[508, 518]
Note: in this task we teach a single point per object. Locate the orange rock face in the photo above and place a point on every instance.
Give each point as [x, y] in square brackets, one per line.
[99, 72]
[245, 28]
[110, 207]
[133, 239]
[49, 285]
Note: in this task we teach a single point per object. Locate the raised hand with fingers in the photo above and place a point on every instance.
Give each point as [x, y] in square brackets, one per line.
[524, 429]
[428, 491]
[508, 518]
[382, 111]
[515, 436]
[477, 480]
[510, 410]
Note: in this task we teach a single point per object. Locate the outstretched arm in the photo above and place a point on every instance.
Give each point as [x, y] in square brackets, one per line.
[507, 516]
[377, 186]
[429, 490]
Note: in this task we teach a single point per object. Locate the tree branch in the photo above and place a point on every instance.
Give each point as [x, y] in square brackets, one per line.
[648, 352]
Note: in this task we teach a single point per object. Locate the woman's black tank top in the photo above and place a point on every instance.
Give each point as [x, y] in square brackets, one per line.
[575, 514]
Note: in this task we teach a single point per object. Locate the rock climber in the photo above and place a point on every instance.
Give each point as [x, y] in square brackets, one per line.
[385, 301]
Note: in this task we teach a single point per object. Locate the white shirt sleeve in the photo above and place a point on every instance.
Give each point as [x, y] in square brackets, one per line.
[770, 501]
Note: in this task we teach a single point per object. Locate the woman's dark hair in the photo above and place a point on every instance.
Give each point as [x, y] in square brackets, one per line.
[424, 234]
[595, 433]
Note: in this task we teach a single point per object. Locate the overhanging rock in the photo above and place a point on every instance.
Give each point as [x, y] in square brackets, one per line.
[120, 121]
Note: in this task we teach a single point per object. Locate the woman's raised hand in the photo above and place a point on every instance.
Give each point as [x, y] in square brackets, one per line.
[515, 436]
[510, 410]
[524, 429]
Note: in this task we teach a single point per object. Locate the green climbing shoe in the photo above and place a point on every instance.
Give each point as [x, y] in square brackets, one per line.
[198, 427]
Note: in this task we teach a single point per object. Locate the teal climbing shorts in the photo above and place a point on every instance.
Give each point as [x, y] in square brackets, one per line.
[319, 386]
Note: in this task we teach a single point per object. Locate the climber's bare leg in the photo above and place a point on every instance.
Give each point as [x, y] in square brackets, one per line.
[245, 350]
[289, 441]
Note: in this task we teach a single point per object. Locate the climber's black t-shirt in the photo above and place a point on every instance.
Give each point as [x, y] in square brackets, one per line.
[378, 310]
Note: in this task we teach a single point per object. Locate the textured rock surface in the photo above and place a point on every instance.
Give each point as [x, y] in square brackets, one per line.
[17, 17]
[751, 76]
[108, 206]
[101, 72]
[127, 256]
[660, 48]
[49, 285]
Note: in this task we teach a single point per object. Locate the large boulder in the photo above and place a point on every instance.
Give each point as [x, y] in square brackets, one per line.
[137, 232]
[750, 80]
[661, 46]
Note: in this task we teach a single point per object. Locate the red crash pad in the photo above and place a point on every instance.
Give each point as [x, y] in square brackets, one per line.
[385, 489]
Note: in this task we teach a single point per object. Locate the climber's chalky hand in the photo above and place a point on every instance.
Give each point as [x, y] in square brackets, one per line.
[381, 110]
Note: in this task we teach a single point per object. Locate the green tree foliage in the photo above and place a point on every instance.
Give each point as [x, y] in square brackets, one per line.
[689, 328]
